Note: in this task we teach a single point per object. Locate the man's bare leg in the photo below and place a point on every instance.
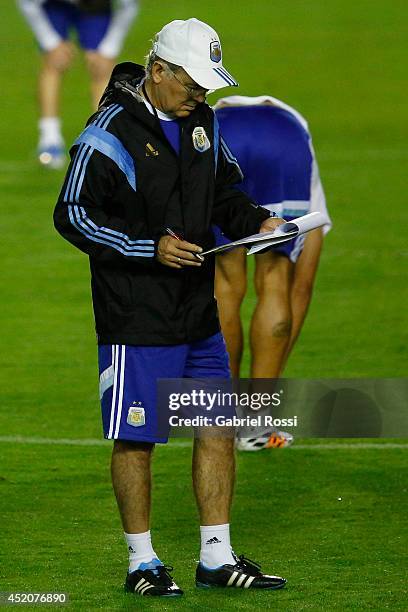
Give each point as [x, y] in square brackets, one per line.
[230, 288]
[51, 141]
[213, 478]
[49, 86]
[100, 69]
[54, 64]
[131, 479]
[272, 318]
[213, 482]
[302, 286]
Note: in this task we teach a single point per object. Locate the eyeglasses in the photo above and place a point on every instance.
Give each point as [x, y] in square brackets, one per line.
[192, 90]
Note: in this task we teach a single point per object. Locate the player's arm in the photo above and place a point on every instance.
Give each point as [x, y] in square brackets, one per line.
[303, 282]
[122, 18]
[47, 37]
[85, 213]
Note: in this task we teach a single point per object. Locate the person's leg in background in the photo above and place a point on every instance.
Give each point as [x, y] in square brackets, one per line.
[230, 289]
[272, 319]
[302, 285]
[270, 326]
[100, 69]
[54, 64]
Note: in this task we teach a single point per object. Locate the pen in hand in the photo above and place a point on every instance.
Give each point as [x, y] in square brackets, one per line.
[174, 235]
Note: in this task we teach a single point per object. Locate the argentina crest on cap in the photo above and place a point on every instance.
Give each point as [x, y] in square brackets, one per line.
[200, 140]
[215, 51]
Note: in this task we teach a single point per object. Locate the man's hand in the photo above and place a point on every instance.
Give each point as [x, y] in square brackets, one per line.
[177, 253]
[269, 225]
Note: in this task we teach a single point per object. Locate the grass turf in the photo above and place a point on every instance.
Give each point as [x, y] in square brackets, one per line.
[342, 65]
[63, 531]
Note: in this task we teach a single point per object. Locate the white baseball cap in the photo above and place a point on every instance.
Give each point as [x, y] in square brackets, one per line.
[196, 47]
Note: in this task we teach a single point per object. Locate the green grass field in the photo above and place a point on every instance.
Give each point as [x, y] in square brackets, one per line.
[342, 64]
[64, 534]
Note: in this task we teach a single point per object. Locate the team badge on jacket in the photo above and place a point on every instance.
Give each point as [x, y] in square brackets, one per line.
[136, 416]
[200, 140]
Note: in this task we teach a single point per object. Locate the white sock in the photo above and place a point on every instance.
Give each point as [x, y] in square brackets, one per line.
[50, 131]
[140, 549]
[215, 546]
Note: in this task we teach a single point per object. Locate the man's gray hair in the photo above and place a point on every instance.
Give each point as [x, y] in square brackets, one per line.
[152, 57]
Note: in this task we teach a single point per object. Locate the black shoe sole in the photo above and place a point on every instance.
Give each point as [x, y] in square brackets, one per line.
[203, 585]
[154, 596]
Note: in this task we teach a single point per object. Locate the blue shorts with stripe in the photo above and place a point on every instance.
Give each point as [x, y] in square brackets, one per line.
[90, 28]
[273, 151]
[128, 378]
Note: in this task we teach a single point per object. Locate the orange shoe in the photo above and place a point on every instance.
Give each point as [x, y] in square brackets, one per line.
[269, 439]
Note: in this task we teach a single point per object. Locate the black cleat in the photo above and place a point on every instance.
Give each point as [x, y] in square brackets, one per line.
[245, 574]
[154, 579]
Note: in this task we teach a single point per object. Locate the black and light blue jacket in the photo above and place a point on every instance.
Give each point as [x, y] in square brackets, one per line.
[124, 186]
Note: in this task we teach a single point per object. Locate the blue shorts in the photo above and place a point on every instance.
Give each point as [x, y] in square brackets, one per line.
[128, 382]
[273, 151]
[90, 29]
[291, 249]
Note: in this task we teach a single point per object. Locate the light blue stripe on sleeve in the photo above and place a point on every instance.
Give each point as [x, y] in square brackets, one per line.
[96, 236]
[80, 153]
[107, 144]
[82, 174]
[111, 232]
[103, 120]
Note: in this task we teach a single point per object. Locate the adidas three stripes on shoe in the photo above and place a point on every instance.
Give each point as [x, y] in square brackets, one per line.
[245, 574]
[152, 579]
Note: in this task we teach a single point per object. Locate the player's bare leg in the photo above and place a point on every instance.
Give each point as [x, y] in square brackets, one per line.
[230, 289]
[54, 65]
[131, 479]
[49, 87]
[100, 69]
[302, 286]
[272, 318]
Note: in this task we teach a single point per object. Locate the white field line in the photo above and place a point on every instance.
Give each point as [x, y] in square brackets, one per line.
[185, 444]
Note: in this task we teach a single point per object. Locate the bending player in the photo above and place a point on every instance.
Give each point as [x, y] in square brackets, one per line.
[273, 146]
[101, 26]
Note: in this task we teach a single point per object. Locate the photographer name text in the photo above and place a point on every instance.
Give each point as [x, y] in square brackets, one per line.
[223, 421]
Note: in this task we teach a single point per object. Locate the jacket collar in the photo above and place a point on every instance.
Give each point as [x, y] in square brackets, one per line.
[122, 88]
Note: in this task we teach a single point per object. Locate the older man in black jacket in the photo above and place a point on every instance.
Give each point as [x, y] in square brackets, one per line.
[148, 177]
